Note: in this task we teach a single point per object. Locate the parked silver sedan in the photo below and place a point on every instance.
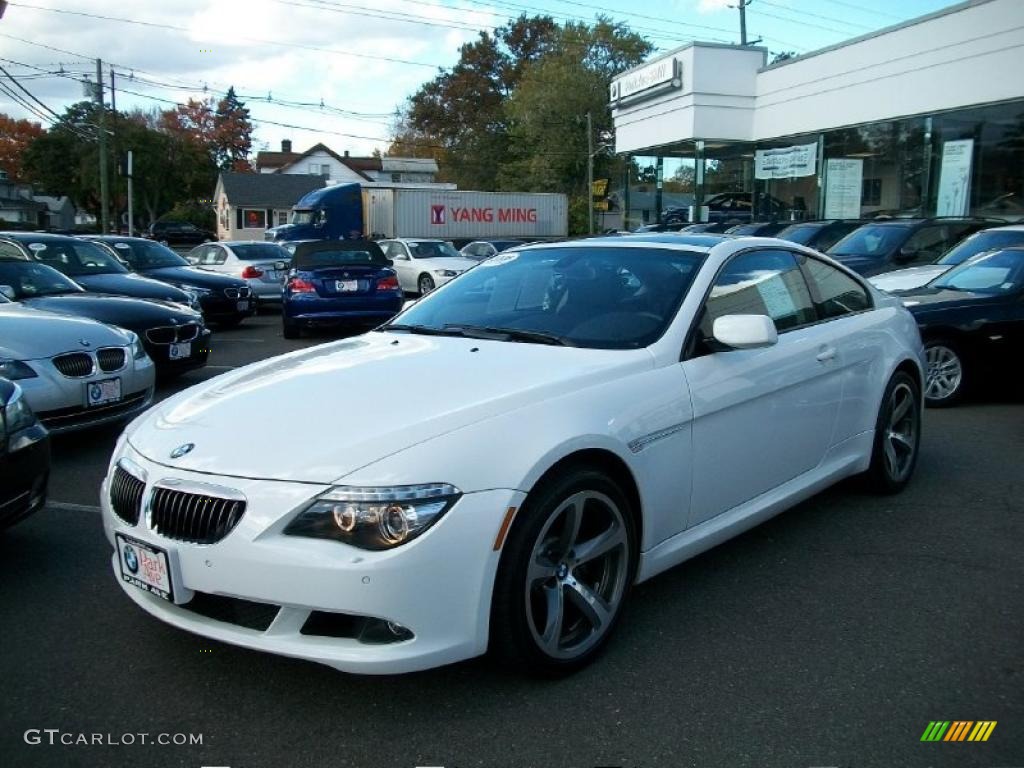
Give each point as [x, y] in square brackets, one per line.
[257, 263]
[74, 372]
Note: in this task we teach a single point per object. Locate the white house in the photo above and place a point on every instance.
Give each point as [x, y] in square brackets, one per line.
[247, 204]
[321, 160]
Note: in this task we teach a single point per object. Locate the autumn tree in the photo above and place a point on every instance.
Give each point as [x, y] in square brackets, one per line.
[15, 138]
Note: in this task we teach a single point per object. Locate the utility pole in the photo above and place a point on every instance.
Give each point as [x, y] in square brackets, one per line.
[590, 175]
[104, 192]
[131, 218]
[113, 146]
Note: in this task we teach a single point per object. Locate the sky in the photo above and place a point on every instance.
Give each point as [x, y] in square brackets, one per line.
[359, 59]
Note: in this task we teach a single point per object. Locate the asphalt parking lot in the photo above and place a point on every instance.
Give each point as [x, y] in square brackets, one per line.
[829, 636]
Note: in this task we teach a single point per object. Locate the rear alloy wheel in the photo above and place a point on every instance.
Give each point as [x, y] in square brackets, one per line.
[425, 284]
[566, 572]
[944, 380]
[897, 435]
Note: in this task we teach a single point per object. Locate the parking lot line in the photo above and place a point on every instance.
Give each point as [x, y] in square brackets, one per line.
[66, 506]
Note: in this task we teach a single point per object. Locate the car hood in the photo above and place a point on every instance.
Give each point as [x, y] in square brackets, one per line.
[860, 263]
[31, 334]
[327, 411]
[134, 314]
[136, 286]
[909, 278]
[194, 276]
[935, 299]
[458, 264]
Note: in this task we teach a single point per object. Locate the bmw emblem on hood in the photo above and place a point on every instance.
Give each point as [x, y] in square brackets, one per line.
[85, 342]
[181, 450]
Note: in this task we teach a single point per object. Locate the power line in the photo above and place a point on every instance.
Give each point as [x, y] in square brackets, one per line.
[864, 9]
[801, 12]
[176, 28]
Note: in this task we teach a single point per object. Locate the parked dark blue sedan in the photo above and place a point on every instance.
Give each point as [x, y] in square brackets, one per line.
[338, 282]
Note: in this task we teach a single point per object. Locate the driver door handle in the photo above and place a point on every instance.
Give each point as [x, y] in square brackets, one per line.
[826, 354]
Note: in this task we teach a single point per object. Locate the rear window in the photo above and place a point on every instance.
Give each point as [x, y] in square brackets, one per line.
[338, 258]
[260, 252]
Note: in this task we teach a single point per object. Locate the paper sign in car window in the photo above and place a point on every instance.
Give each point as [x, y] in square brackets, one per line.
[36, 247]
[123, 246]
[776, 297]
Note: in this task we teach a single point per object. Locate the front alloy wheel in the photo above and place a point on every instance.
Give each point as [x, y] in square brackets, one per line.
[944, 380]
[897, 435]
[426, 284]
[566, 572]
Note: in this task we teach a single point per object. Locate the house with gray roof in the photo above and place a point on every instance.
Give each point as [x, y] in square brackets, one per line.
[247, 204]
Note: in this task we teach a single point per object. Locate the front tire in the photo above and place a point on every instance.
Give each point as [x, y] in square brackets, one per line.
[897, 436]
[945, 382]
[425, 284]
[565, 574]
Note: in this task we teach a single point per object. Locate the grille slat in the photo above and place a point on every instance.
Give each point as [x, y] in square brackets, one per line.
[111, 359]
[171, 334]
[126, 495]
[237, 293]
[194, 517]
[75, 365]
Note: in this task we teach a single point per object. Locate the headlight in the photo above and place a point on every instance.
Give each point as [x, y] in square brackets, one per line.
[15, 369]
[374, 518]
[445, 272]
[195, 290]
[18, 415]
[138, 351]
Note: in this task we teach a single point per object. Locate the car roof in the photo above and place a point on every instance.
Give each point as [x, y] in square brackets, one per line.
[39, 237]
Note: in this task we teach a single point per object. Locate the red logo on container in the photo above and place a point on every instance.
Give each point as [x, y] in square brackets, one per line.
[437, 214]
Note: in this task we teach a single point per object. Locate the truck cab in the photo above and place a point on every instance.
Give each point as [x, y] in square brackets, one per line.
[331, 213]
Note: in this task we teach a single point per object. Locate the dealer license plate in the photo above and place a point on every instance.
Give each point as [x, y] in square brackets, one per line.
[180, 351]
[243, 306]
[145, 566]
[346, 286]
[101, 392]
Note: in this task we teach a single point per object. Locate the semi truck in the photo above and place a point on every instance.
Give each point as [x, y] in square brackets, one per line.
[346, 211]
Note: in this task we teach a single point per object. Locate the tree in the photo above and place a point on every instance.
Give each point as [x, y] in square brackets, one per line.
[15, 138]
[232, 134]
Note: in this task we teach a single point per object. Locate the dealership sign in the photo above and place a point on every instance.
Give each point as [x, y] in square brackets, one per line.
[442, 214]
[786, 162]
[659, 76]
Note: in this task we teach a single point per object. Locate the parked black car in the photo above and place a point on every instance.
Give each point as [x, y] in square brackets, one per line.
[89, 265]
[223, 299]
[174, 335]
[674, 226]
[179, 233]
[972, 323]
[887, 244]
[484, 249]
[758, 228]
[24, 457]
[820, 234]
[717, 227]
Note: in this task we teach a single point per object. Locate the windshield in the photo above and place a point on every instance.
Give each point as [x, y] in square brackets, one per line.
[993, 273]
[27, 279]
[74, 257]
[981, 242]
[260, 252]
[146, 254]
[433, 249]
[596, 297]
[871, 240]
[800, 233]
[302, 217]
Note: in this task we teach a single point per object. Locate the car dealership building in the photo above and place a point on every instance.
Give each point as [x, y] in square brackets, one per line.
[922, 118]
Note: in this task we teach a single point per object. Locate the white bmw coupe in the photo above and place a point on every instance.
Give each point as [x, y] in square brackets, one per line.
[496, 467]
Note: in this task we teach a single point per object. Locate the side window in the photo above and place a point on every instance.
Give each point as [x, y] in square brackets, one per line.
[397, 251]
[760, 283]
[927, 244]
[11, 251]
[215, 255]
[838, 293]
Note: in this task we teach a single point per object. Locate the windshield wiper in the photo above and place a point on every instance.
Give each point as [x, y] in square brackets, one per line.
[511, 334]
[424, 330]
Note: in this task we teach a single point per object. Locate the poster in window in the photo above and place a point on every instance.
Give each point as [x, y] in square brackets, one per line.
[786, 162]
[255, 219]
[955, 178]
[843, 187]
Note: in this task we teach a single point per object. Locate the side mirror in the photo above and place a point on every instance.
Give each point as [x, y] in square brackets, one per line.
[8, 291]
[280, 265]
[391, 262]
[745, 331]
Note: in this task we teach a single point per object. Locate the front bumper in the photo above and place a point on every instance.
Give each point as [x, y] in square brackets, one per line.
[59, 401]
[438, 586]
[24, 472]
[199, 353]
[218, 307]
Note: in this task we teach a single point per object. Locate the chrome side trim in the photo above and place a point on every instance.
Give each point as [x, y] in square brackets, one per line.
[642, 442]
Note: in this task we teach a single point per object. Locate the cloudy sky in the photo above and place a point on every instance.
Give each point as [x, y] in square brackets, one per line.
[360, 59]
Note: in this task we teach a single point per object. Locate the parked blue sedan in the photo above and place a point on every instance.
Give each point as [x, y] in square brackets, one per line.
[338, 282]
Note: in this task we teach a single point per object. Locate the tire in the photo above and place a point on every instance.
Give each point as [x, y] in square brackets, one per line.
[946, 378]
[290, 330]
[542, 570]
[425, 283]
[897, 436]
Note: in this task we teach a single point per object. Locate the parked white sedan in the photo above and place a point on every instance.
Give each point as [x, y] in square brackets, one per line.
[592, 413]
[423, 265]
[262, 265]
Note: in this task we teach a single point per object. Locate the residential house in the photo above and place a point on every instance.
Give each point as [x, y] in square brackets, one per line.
[247, 204]
[17, 206]
[321, 160]
[60, 211]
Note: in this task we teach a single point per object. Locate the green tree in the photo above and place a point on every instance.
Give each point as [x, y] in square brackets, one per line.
[232, 134]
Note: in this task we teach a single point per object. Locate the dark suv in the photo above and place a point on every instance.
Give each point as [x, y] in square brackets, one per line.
[887, 244]
[179, 233]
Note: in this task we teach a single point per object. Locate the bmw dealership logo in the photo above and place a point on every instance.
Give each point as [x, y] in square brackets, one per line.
[131, 559]
[181, 450]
